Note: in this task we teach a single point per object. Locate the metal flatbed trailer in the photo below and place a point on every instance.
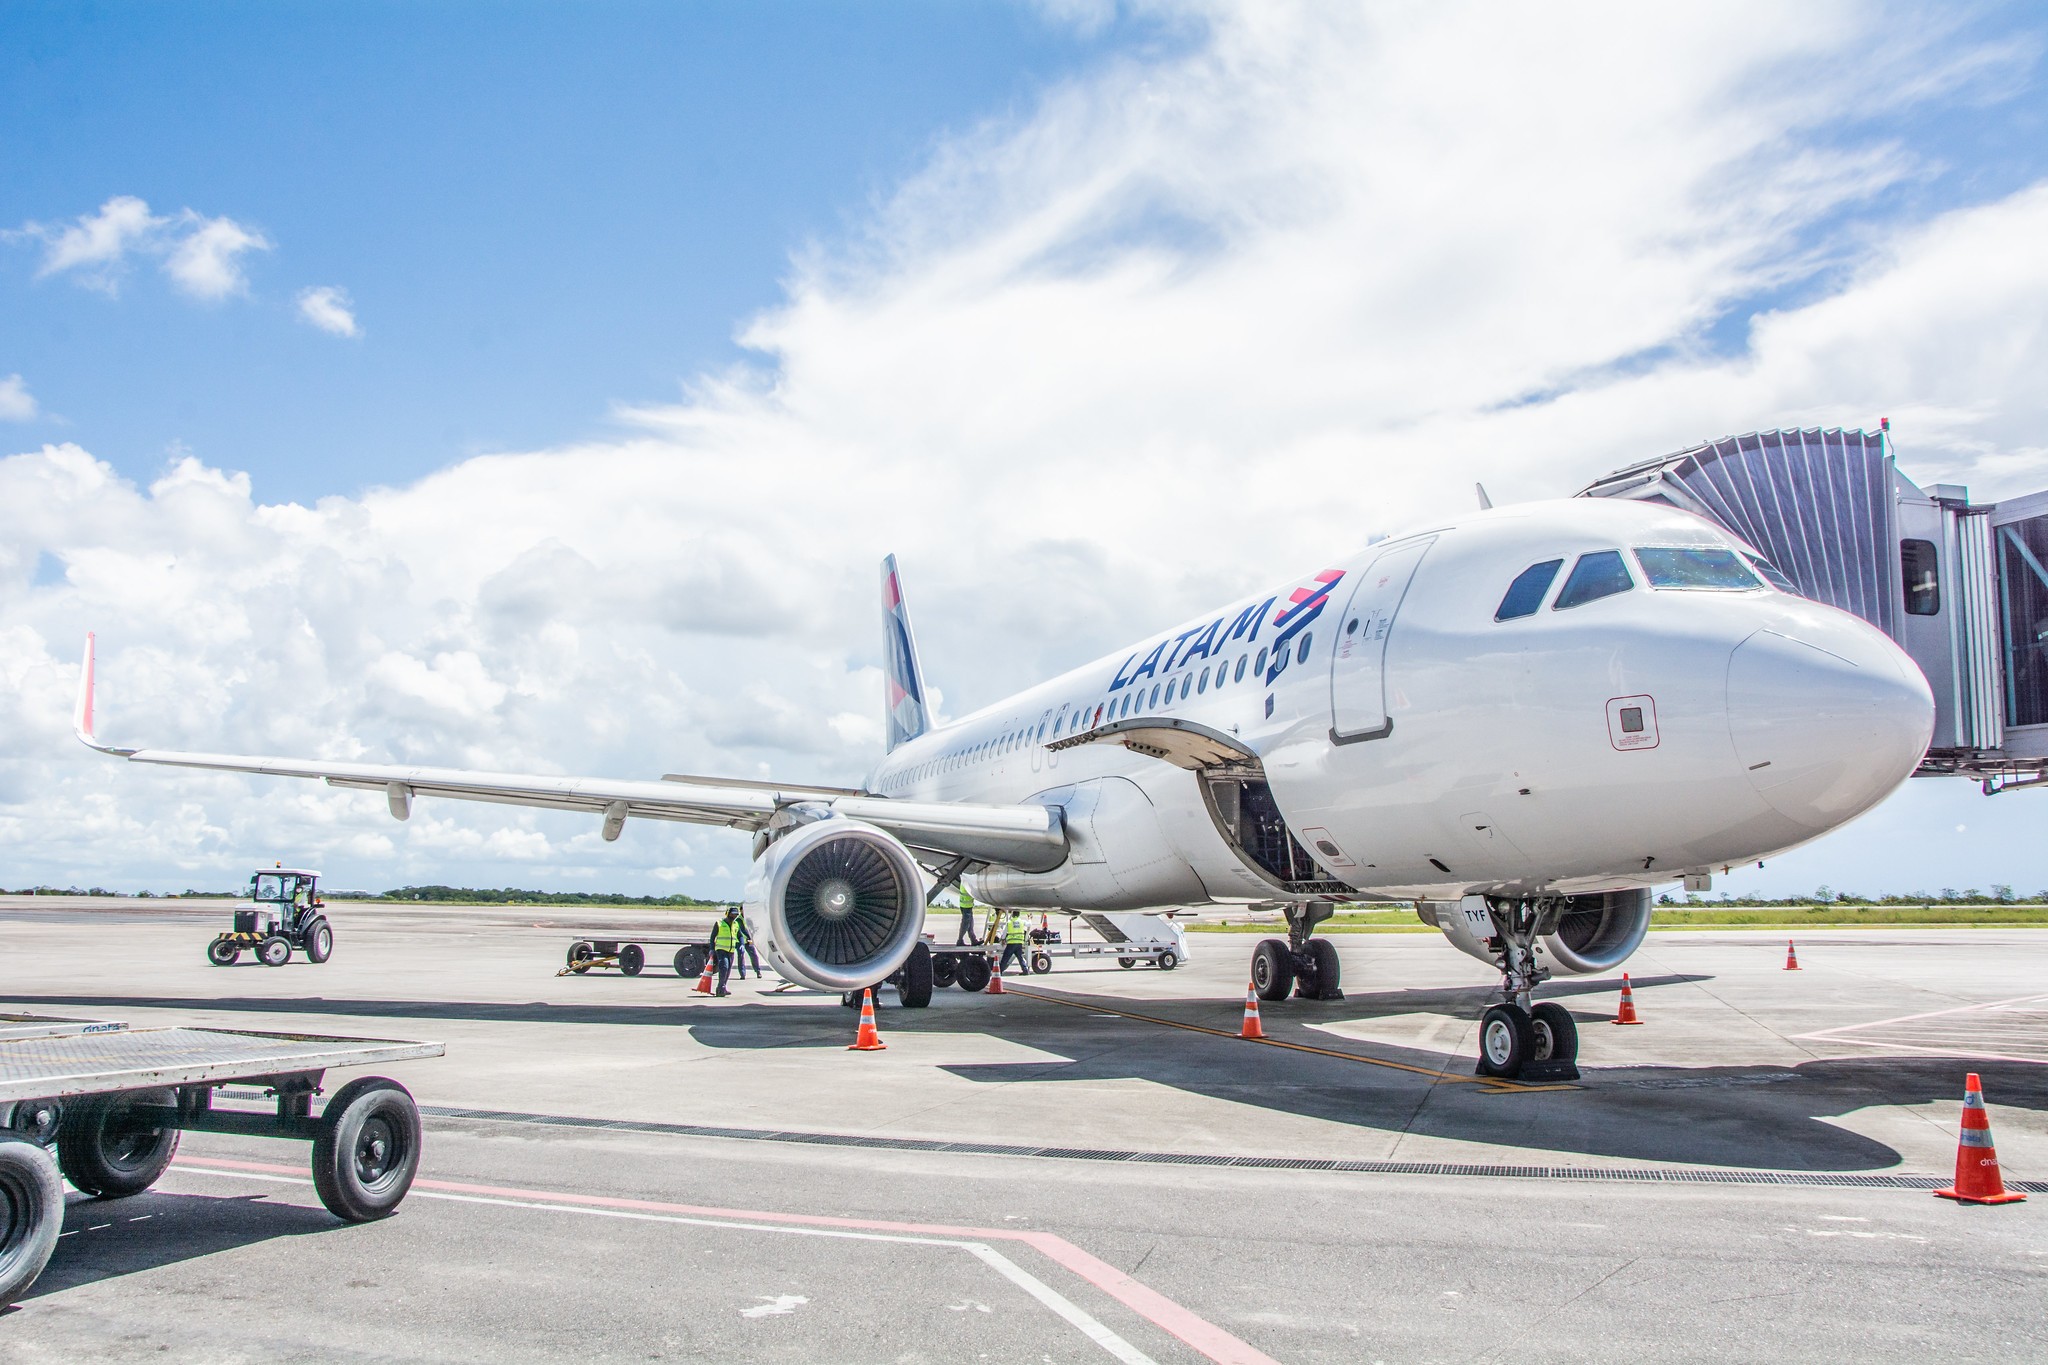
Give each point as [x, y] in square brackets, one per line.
[628, 953]
[111, 1102]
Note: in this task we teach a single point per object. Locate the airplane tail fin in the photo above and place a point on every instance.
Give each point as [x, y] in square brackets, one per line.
[907, 716]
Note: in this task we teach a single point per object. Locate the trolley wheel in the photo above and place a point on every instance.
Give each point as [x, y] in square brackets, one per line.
[914, 987]
[274, 951]
[1041, 963]
[945, 969]
[31, 1215]
[972, 973]
[632, 958]
[690, 960]
[223, 952]
[318, 940]
[367, 1150]
[105, 1150]
[1168, 960]
[579, 951]
[1127, 962]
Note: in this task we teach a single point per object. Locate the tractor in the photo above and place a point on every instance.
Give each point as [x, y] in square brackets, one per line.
[284, 912]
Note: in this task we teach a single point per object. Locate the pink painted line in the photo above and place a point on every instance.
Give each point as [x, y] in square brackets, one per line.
[1148, 1303]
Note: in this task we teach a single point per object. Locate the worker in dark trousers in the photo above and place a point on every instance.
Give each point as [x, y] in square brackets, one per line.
[967, 937]
[725, 937]
[746, 947]
[1015, 936]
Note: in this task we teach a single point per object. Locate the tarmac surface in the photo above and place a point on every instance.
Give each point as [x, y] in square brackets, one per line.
[1090, 1167]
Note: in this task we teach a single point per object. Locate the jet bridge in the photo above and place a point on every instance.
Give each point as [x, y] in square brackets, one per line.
[1962, 586]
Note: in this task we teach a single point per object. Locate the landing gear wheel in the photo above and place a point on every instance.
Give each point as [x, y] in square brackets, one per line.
[1127, 962]
[274, 951]
[580, 951]
[632, 958]
[31, 1215]
[689, 960]
[368, 1149]
[914, 989]
[105, 1150]
[973, 973]
[1168, 960]
[223, 953]
[1321, 972]
[1273, 969]
[1041, 963]
[319, 940]
[945, 969]
[1507, 1040]
[1556, 1033]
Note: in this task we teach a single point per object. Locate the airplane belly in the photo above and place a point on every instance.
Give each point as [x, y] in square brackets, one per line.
[1119, 858]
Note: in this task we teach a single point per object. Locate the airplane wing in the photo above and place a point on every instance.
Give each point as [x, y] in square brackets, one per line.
[1029, 837]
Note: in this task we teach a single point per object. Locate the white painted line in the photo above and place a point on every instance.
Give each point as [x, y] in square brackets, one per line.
[1075, 1315]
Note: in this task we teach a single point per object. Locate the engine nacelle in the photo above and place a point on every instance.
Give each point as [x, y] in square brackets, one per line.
[838, 904]
[1595, 933]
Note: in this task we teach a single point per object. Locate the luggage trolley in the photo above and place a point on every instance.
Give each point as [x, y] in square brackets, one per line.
[111, 1101]
[629, 955]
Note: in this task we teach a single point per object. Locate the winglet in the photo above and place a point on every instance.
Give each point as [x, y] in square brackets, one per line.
[1485, 503]
[81, 720]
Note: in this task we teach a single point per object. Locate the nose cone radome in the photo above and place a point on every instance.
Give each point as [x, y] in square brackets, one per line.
[1830, 723]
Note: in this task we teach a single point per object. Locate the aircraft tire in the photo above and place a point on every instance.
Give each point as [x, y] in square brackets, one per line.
[1507, 1041]
[914, 987]
[1272, 969]
[105, 1152]
[1557, 1033]
[1326, 972]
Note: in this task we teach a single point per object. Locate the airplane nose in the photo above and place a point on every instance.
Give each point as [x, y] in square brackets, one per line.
[1829, 724]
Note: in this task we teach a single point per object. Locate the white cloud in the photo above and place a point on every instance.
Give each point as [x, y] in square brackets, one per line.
[1196, 322]
[200, 255]
[329, 308]
[17, 404]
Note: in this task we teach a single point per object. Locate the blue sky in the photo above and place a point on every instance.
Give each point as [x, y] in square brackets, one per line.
[647, 329]
[538, 210]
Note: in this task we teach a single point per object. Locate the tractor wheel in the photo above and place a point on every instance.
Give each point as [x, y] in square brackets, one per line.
[274, 951]
[318, 939]
[223, 953]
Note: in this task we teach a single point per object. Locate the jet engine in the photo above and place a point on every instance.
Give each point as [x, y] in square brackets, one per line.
[838, 904]
[1595, 933]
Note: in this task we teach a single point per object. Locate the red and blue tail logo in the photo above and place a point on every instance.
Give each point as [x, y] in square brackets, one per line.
[906, 716]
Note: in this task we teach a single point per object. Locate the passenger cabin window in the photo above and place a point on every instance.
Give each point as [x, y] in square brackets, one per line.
[1301, 655]
[1597, 575]
[1920, 567]
[1696, 567]
[1526, 593]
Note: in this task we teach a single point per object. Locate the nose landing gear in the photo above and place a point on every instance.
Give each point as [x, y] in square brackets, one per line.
[1518, 1040]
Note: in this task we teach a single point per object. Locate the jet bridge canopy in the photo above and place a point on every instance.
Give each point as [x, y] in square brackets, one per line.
[1962, 586]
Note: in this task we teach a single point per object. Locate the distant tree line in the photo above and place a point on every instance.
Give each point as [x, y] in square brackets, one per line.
[2000, 894]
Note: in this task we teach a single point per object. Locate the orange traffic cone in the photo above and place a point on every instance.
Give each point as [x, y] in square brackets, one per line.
[1791, 956]
[995, 980]
[1252, 1028]
[1977, 1178]
[867, 1040]
[1627, 1013]
[703, 986]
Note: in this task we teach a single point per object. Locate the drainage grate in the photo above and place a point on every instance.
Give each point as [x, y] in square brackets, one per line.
[1652, 1175]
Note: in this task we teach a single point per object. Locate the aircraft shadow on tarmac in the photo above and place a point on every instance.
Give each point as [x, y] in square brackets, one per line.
[107, 1238]
[1762, 1117]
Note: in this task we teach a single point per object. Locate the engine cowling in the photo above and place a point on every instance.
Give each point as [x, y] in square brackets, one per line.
[838, 904]
[1595, 933]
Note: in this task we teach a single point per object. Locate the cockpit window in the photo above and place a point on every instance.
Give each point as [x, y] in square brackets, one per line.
[1525, 594]
[1695, 566]
[1771, 574]
[1597, 575]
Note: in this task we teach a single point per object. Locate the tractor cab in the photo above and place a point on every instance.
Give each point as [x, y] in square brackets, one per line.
[284, 911]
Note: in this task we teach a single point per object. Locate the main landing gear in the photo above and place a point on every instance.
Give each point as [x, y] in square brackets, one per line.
[1537, 1042]
[1305, 966]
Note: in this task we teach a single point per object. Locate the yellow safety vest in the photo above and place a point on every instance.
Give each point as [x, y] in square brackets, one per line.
[727, 936]
[1016, 933]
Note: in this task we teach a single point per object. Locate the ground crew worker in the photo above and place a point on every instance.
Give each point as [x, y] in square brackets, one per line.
[1015, 936]
[746, 945]
[725, 937]
[967, 936]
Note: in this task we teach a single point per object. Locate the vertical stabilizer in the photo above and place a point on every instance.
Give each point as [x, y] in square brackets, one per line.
[907, 717]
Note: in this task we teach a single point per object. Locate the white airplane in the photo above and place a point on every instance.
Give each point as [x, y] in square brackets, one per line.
[1522, 719]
